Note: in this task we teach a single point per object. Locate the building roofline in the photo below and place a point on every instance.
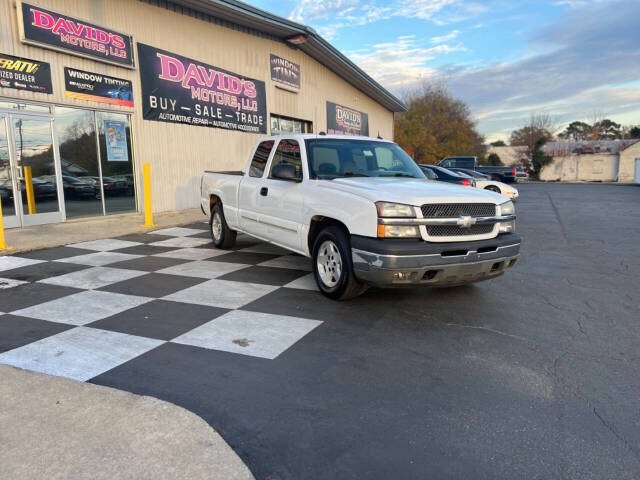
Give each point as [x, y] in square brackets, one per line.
[316, 47]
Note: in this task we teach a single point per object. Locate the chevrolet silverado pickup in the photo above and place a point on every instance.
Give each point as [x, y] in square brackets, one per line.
[364, 212]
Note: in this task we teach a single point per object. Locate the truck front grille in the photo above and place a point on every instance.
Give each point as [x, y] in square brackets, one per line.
[454, 210]
[455, 231]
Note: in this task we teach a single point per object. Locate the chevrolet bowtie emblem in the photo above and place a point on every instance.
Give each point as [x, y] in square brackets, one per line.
[466, 221]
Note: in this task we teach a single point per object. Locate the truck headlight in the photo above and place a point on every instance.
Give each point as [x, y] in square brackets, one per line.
[398, 231]
[395, 210]
[507, 208]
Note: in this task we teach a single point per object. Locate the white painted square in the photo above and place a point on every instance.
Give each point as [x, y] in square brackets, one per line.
[203, 269]
[105, 245]
[80, 353]
[192, 253]
[8, 262]
[6, 283]
[99, 259]
[82, 308]
[293, 262]
[308, 282]
[249, 333]
[181, 242]
[222, 293]
[93, 278]
[177, 231]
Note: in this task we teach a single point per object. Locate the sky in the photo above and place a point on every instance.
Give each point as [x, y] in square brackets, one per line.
[507, 59]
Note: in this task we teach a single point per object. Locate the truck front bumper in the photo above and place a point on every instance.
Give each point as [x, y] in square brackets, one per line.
[410, 262]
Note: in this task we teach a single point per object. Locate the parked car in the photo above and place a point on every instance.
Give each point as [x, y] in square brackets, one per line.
[110, 185]
[484, 181]
[499, 174]
[362, 210]
[76, 188]
[42, 188]
[444, 175]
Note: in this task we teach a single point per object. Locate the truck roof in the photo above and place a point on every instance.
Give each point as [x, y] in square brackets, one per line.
[306, 136]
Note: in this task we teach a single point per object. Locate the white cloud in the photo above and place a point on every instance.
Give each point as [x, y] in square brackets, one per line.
[445, 38]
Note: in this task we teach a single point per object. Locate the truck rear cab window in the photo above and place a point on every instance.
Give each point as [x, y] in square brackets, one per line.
[288, 152]
[259, 161]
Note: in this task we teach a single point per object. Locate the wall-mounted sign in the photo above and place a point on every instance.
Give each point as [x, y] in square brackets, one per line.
[285, 72]
[96, 87]
[116, 138]
[48, 29]
[346, 121]
[25, 74]
[177, 89]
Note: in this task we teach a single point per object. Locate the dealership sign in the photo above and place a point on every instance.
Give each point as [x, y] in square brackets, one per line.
[96, 87]
[25, 74]
[285, 72]
[346, 121]
[49, 29]
[177, 89]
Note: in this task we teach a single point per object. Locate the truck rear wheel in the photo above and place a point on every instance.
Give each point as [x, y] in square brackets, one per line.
[332, 265]
[222, 236]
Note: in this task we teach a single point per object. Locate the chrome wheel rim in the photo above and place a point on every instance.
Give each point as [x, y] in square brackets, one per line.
[329, 263]
[216, 226]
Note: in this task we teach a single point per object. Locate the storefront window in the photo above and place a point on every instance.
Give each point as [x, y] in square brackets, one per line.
[117, 162]
[79, 162]
[6, 184]
[281, 125]
[24, 107]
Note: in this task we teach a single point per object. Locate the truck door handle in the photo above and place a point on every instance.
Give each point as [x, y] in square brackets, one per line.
[264, 191]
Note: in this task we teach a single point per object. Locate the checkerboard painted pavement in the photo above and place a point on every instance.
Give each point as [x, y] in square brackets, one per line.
[83, 309]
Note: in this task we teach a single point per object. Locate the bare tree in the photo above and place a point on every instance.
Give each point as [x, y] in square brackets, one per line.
[541, 126]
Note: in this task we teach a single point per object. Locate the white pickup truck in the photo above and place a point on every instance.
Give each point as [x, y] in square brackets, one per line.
[364, 212]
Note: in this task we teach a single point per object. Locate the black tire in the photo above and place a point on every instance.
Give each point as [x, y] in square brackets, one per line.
[493, 188]
[345, 285]
[225, 238]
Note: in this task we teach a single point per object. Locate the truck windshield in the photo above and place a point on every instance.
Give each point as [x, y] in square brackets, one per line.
[331, 158]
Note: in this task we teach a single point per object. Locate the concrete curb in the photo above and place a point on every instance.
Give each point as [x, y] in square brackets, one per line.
[53, 427]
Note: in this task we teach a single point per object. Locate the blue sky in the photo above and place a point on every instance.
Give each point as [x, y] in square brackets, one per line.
[572, 59]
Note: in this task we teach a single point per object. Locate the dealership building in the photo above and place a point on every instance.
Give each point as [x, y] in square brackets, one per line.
[92, 89]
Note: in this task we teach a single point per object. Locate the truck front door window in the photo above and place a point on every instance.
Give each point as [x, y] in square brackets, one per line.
[287, 153]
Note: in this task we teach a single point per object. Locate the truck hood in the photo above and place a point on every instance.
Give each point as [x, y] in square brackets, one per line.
[411, 191]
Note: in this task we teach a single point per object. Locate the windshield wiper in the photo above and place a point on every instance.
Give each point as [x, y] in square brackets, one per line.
[408, 175]
[354, 174]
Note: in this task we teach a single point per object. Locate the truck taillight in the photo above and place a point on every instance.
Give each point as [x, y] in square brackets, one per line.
[465, 182]
[513, 171]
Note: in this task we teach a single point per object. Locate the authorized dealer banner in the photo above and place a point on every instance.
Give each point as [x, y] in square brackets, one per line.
[177, 89]
[25, 74]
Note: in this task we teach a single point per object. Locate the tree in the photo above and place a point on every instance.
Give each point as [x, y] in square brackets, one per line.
[634, 132]
[577, 131]
[540, 127]
[437, 125]
[606, 130]
[538, 158]
[498, 143]
[493, 160]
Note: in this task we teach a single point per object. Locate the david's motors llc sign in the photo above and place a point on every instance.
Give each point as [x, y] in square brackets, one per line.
[346, 121]
[45, 28]
[177, 89]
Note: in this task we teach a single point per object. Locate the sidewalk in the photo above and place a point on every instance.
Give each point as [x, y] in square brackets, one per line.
[83, 230]
[55, 428]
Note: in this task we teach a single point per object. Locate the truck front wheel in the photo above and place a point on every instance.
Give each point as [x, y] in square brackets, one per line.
[332, 265]
[222, 236]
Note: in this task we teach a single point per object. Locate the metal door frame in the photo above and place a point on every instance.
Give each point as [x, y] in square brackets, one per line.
[25, 220]
[10, 221]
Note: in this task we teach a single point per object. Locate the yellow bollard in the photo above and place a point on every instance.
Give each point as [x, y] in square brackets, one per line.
[3, 243]
[31, 198]
[146, 180]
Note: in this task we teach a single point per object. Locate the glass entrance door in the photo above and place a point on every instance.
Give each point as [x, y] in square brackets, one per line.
[7, 186]
[34, 163]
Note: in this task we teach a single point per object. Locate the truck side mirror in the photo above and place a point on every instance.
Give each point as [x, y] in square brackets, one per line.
[286, 171]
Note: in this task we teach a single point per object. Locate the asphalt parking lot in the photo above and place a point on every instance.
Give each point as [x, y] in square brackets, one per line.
[531, 375]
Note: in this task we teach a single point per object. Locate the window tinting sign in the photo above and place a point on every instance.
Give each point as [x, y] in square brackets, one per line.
[285, 72]
[25, 74]
[116, 138]
[46, 28]
[96, 87]
[177, 89]
[346, 121]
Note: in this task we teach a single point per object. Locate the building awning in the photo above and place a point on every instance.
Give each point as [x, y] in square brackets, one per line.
[315, 46]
